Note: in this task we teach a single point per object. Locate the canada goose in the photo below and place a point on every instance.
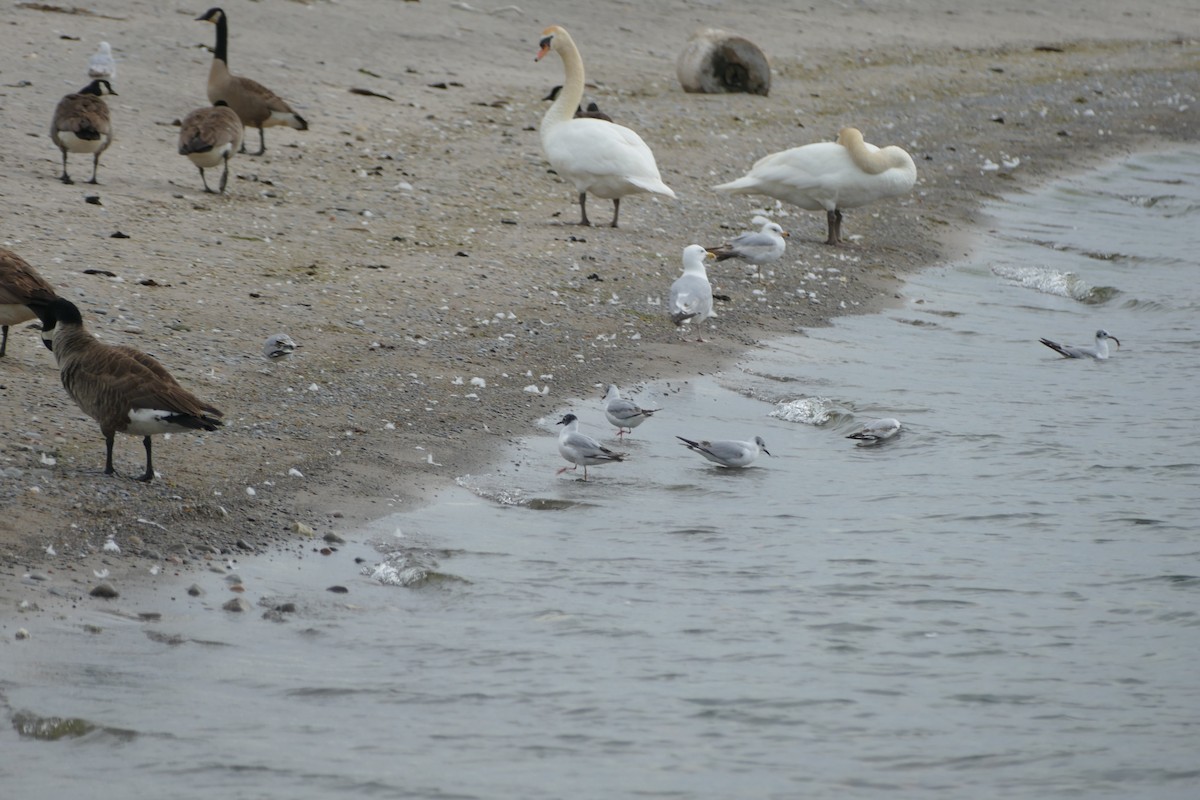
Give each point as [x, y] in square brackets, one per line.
[82, 125]
[102, 64]
[19, 285]
[603, 158]
[623, 413]
[123, 389]
[591, 112]
[728, 452]
[256, 105]
[832, 176]
[691, 293]
[581, 449]
[1098, 351]
[759, 248]
[209, 136]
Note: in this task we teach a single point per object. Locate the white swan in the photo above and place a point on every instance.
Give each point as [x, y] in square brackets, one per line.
[603, 158]
[847, 173]
[691, 294]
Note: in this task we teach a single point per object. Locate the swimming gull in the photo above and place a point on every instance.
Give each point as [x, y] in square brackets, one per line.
[728, 452]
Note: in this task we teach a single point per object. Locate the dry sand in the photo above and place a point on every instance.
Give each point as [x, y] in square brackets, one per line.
[413, 242]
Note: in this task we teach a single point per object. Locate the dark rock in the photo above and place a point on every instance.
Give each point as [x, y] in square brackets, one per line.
[104, 590]
[716, 61]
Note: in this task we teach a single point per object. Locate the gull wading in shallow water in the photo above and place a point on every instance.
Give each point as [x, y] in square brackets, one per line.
[728, 452]
[581, 449]
[876, 431]
[1098, 351]
[625, 414]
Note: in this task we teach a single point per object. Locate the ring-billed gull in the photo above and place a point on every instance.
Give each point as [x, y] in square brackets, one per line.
[623, 413]
[757, 247]
[876, 431]
[728, 452]
[102, 64]
[1098, 351]
[691, 293]
[832, 176]
[581, 449]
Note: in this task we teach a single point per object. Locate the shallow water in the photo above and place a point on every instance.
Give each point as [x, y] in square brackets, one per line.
[1000, 602]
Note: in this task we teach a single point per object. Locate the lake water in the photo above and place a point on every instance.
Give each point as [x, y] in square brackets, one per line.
[1003, 601]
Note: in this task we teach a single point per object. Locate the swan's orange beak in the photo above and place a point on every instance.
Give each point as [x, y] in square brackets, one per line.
[544, 46]
[784, 234]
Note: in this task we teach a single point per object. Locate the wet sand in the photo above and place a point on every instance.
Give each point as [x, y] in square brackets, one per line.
[415, 242]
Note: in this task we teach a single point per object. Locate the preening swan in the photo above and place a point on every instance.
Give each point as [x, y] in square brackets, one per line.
[603, 158]
[832, 176]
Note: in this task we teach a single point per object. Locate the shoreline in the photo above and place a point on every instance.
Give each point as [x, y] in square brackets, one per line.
[389, 326]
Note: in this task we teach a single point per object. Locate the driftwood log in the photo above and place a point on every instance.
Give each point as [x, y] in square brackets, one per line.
[716, 61]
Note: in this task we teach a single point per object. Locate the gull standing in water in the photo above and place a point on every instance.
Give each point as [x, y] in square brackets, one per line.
[876, 431]
[1097, 351]
[581, 449]
[625, 414]
[728, 452]
[759, 248]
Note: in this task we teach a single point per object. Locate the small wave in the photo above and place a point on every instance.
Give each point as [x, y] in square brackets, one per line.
[807, 411]
[408, 568]
[1051, 281]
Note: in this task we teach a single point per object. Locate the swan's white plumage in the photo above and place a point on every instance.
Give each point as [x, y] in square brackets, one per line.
[830, 176]
[597, 157]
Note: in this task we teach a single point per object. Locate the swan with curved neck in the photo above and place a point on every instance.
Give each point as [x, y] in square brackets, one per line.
[848, 173]
[605, 159]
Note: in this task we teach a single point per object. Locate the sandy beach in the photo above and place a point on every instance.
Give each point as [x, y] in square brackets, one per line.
[413, 239]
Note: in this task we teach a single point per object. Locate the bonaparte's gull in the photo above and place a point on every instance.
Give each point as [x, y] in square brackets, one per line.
[728, 452]
[625, 414]
[278, 345]
[1098, 351]
[876, 431]
[581, 449]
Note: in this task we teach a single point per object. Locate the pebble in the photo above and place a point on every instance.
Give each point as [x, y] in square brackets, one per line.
[303, 530]
[237, 604]
[333, 538]
[338, 590]
[104, 590]
[22, 633]
[195, 591]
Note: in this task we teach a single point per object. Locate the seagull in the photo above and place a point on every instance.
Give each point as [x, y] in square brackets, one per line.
[754, 248]
[625, 414]
[876, 432]
[691, 293]
[278, 345]
[1098, 351]
[581, 449]
[102, 64]
[728, 452]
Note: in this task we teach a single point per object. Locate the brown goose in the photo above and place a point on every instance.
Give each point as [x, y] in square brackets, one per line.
[209, 136]
[256, 105]
[125, 390]
[82, 125]
[19, 286]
